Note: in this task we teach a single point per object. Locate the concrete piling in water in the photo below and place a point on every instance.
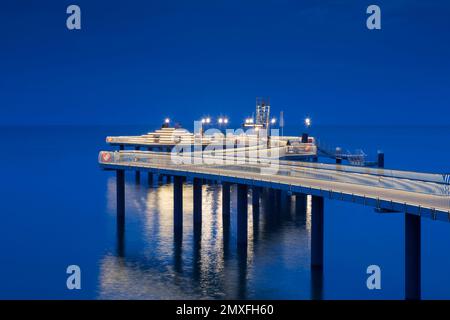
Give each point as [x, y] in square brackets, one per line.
[242, 214]
[316, 283]
[178, 207]
[256, 191]
[300, 203]
[271, 201]
[150, 178]
[277, 199]
[284, 202]
[197, 194]
[120, 194]
[256, 196]
[317, 232]
[120, 199]
[226, 217]
[226, 203]
[412, 257]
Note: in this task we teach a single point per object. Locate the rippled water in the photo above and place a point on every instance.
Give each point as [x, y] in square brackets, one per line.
[211, 267]
[58, 208]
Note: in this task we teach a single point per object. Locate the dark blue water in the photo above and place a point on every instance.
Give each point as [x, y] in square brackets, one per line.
[58, 209]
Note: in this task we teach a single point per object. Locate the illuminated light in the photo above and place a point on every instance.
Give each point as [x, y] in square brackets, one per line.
[273, 121]
[167, 120]
[308, 122]
[203, 120]
[220, 120]
[208, 120]
[225, 120]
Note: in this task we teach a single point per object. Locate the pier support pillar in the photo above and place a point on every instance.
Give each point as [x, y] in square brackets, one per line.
[120, 190]
[284, 201]
[256, 191]
[412, 257]
[226, 218]
[300, 203]
[277, 195]
[316, 283]
[271, 200]
[317, 232]
[256, 196]
[242, 214]
[138, 173]
[150, 178]
[178, 207]
[226, 203]
[197, 189]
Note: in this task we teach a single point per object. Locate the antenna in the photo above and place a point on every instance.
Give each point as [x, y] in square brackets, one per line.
[281, 122]
[262, 112]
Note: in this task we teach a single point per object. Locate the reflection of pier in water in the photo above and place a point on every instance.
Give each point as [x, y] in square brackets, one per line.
[205, 266]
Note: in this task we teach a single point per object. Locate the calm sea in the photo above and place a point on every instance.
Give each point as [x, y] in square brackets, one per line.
[58, 209]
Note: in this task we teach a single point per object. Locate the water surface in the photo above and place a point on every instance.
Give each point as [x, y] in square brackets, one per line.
[58, 208]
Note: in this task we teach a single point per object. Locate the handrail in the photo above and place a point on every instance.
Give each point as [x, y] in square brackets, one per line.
[289, 168]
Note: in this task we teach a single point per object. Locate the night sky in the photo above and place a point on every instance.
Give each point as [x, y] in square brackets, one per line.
[136, 62]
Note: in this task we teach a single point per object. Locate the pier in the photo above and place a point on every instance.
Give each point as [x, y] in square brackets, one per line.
[415, 194]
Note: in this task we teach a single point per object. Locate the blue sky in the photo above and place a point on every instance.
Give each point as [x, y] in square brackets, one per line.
[136, 62]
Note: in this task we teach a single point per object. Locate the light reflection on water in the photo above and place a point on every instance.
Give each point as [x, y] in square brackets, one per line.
[149, 264]
[61, 217]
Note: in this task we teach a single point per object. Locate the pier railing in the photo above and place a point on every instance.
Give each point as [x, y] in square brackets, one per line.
[425, 183]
